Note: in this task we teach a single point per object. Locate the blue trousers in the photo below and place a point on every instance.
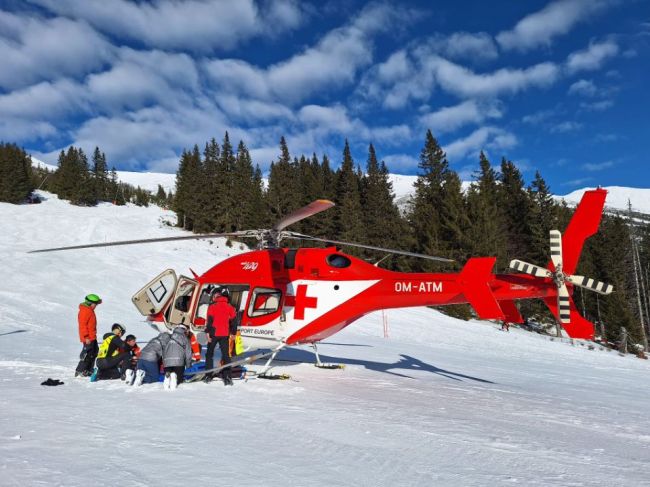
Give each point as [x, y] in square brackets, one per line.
[151, 371]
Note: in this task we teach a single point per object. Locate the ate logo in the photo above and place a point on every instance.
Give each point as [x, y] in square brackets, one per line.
[300, 301]
[249, 266]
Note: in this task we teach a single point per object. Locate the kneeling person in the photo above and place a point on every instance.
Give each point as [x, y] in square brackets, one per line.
[150, 359]
[176, 356]
[114, 355]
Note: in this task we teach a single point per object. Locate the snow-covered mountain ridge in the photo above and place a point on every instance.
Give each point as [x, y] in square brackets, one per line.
[617, 197]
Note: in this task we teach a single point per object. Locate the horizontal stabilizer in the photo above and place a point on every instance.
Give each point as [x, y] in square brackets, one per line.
[474, 280]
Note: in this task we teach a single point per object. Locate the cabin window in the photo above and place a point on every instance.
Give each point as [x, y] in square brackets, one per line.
[339, 261]
[264, 301]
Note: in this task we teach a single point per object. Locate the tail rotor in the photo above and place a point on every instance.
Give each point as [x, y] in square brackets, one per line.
[560, 278]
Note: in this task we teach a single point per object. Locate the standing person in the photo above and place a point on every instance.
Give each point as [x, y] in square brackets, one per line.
[151, 359]
[114, 355]
[87, 335]
[220, 314]
[176, 356]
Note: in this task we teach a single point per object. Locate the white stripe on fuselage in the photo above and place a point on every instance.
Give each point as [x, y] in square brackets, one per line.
[329, 295]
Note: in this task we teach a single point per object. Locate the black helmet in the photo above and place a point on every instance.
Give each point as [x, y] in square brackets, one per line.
[220, 291]
[117, 326]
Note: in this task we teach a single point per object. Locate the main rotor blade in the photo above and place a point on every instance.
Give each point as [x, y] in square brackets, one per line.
[141, 241]
[556, 248]
[369, 247]
[306, 211]
[591, 284]
[563, 304]
[526, 268]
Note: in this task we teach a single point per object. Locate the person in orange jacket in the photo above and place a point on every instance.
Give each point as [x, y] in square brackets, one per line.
[87, 335]
[196, 348]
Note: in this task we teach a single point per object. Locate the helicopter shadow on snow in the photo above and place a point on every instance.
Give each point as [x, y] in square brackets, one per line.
[405, 363]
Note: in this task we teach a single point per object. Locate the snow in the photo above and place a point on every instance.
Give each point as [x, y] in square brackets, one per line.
[618, 197]
[441, 402]
[146, 180]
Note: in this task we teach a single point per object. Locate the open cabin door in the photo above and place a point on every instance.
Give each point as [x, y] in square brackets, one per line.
[180, 313]
[156, 294]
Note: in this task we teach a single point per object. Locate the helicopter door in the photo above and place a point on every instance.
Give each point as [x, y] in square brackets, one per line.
[155, 295]
[180, 313]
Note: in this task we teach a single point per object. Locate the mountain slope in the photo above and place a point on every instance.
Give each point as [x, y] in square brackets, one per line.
[440, 402]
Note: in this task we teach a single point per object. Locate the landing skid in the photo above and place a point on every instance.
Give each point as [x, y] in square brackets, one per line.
[322, 365]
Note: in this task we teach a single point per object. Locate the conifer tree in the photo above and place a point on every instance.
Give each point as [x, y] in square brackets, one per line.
[486, 233]
[515, 207]
[247, 194]
[384, 225]
[348, 216]
[424, 215]
[283, 194]
[15, 174]
[100, 175]
[542, 218]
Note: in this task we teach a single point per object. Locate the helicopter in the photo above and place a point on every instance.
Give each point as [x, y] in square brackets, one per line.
[300, 296]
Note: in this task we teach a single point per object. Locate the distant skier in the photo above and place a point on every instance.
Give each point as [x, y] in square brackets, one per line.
[148, 368]
[114, 355]
[220, 315]
[88, 335]
[176, 356]
[505, 326]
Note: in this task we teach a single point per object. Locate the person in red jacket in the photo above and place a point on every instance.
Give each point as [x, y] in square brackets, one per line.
[87, 335]
[220, 314]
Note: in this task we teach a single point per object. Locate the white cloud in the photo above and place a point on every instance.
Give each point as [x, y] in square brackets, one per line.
[449, 119]
[592, 58]
[598, 166]
[483, 138]
[597, 106]
[25, 130]
[196, 25]
[35, 49]
[333, 62]
[539, 117]
[564, 127]
[44, 101]
[555, 19]
[465, 45]
[464, 82]
[583, 87]
[401, 163]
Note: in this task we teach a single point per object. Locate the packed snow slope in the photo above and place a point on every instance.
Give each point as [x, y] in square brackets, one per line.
[441, 402]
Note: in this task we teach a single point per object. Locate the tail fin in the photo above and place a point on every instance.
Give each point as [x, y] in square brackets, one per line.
[583, 224]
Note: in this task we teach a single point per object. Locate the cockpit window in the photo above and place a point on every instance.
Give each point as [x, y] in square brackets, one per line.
[338, 261]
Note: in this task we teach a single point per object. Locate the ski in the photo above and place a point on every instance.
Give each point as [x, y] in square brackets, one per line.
[200, 374]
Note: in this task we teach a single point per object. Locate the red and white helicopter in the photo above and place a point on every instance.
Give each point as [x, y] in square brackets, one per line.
[303, 295]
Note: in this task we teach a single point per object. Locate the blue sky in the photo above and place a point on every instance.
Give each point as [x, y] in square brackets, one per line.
[559, 86]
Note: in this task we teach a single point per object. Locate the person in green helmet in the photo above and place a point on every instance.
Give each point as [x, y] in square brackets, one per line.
[87, 335]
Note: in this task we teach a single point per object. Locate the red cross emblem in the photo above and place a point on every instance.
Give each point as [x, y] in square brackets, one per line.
[300, 301]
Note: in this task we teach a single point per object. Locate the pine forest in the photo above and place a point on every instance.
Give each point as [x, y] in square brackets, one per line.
[219, 189]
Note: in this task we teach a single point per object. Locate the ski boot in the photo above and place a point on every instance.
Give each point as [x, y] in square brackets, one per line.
[173, 381]
[166, 381]
[129, 377]
[139, 378]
